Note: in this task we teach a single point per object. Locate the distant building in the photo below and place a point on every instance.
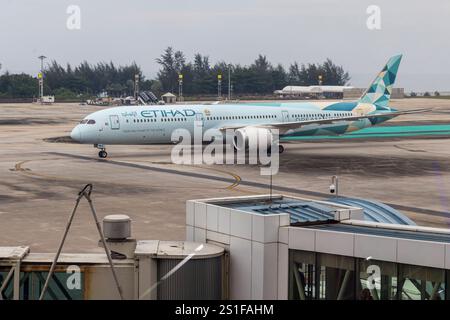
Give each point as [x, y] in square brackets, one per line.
[169, 98]
[355, 93]
[333, 92]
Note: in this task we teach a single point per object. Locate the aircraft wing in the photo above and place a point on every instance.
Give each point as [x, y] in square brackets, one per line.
[285, 126]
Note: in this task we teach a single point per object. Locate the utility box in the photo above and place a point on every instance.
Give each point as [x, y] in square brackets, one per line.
[48, 99]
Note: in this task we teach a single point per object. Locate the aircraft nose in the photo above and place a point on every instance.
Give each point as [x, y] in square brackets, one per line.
[76, 134]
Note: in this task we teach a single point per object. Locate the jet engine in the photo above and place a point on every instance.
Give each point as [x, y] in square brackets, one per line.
[252, 136]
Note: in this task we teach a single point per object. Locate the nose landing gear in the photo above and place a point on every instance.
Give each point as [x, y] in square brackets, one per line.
[102, 153]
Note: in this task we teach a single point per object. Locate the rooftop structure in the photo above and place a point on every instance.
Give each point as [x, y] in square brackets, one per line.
[252, 247]
[303, 211]
[284, 247]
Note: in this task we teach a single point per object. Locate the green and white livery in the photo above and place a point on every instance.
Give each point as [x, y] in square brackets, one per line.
[140, 125]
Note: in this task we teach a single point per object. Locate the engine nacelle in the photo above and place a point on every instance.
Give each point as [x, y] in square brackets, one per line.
[252, 136]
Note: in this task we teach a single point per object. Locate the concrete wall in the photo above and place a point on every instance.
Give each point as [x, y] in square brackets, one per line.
[258, 259]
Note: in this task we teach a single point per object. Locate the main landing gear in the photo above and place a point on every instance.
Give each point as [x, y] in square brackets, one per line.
[280, 150]
[102, 153]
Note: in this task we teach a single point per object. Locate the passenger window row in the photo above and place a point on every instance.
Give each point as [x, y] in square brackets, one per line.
[154, 120]
[242, 117]
[327, 115]
[173, 119]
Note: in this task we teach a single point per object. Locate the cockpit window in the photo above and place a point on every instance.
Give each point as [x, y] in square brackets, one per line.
[91, 122]
[83, 121]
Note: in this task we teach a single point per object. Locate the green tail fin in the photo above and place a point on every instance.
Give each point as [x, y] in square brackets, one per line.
[379, 92]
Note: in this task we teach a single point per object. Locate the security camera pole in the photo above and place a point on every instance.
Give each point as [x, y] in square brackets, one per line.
[335, 185]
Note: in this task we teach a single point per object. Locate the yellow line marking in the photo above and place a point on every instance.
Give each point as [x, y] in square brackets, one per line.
[237, 178]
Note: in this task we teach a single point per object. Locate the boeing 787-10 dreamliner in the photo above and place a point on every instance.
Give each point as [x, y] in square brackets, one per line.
[142, 125]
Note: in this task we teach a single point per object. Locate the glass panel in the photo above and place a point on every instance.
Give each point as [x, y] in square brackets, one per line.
[337, 277]
[302, 275]
[421, 283]
[61, 286]
[377, 280]
[447, 285]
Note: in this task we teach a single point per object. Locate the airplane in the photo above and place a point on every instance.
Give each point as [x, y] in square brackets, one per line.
[144, 125]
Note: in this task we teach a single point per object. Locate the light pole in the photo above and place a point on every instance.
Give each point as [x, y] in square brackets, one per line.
[219, 87]
[42, 58]
[180, 87]
[136, 87]
[41, 78]
[229, 82]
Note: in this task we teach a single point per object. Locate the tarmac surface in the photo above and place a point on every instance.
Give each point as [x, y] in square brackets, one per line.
[404, 163]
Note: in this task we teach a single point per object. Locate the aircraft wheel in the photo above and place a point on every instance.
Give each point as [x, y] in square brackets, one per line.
[102, 154]
[280, 149]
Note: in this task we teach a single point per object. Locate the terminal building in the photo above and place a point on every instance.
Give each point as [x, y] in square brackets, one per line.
[316, 92]
[356, 93]
[254, 247]
[329, 92]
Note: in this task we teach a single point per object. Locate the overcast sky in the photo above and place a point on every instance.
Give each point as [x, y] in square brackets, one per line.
[235, 31]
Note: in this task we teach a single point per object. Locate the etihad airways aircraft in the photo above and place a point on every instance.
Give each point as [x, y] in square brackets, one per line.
[141, 125]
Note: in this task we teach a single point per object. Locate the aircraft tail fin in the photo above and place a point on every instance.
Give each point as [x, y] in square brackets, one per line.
[379, 92]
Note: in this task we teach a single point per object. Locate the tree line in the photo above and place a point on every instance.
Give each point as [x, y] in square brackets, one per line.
[261, 77]
[200, 77]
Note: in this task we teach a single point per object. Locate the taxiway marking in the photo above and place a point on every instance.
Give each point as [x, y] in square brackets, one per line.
[242, 182]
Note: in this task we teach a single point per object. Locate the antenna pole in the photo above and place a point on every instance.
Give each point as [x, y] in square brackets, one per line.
[86, 193]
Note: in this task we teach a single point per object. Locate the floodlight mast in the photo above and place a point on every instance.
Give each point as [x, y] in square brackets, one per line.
[41, 78]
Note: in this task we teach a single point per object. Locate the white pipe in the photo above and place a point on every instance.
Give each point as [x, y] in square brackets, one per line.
[391, 226]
